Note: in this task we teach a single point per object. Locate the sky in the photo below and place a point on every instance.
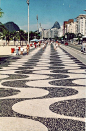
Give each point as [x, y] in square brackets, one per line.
[48, 11]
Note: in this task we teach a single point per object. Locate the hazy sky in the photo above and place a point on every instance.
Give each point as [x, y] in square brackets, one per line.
[48, 11]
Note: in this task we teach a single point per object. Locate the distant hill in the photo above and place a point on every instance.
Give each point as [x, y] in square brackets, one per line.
[11, 26]
[56, 25]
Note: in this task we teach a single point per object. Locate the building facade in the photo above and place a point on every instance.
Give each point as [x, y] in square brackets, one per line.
[60, 32]
[67, 26]
[81, 24]
[49, 33]
[64, 27]
[71, 28]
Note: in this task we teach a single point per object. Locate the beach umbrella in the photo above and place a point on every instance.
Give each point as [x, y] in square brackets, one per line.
[35, 40]
[41, 39]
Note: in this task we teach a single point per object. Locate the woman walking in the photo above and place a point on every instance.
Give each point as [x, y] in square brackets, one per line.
[27, 48]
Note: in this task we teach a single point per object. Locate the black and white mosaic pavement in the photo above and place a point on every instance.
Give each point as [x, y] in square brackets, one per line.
[42, 91]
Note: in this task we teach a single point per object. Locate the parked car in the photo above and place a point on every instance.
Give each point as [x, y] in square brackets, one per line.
[83, 47]
[66, 43]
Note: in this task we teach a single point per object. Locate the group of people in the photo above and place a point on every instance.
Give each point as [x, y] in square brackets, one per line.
[37, 44]
[21, 49]
[44, 43]
[56, 44]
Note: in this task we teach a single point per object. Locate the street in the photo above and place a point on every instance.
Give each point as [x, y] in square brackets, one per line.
[75, 50]
[44, 91]
[75, 46]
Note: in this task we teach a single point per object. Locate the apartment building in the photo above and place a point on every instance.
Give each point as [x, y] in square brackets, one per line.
[81, 24]
[71, 27]
[64, 27]
[49, 33]
[60, 32]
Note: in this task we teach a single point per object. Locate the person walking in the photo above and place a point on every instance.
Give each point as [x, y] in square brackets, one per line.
[21, 50]
[27, 48]
[35, 44]
[17, 50]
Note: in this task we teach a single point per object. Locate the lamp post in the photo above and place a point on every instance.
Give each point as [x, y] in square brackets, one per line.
[85, 11]
[37, 23]
[28, 20]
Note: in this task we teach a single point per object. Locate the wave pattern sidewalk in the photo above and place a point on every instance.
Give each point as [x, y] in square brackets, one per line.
[43, 91]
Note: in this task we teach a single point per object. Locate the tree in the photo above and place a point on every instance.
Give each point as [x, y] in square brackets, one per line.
[1, 13]
[79, 35]
[23, 36]
[70, 35]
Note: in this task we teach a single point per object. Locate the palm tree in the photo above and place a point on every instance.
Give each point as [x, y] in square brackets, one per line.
[1, 13]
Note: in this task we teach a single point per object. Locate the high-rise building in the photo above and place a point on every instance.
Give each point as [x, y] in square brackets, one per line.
[81, 24]
[64, 27]
[50, 33]
[71, 27]
[60, 32]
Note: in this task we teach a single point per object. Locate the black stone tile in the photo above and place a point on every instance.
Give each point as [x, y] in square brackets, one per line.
[8, 92]
[58, 92]
[60, 71]
[15, 76]
[64, 82]
[56, 67]
[25, 67]
[75, 107]
[62, 124]
[17, 83]
[57, 76]
[53, 92]
[24, 72]
[51, 123]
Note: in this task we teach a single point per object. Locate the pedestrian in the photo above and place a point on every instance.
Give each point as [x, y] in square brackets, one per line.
[27, 49]
[56, 45]
[17, 50]
[35, 44]
[44, 45]
[39, 43]
[21, 50]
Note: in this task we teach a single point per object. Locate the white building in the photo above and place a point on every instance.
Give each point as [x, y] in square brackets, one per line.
[54, 32]
[60, 32]
[81, 24]
[71, 27]
[49, 33]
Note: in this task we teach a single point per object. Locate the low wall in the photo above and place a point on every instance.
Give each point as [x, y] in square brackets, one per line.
[12, 43]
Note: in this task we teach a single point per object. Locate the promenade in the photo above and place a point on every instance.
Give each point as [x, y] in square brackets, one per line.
[43, 91]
